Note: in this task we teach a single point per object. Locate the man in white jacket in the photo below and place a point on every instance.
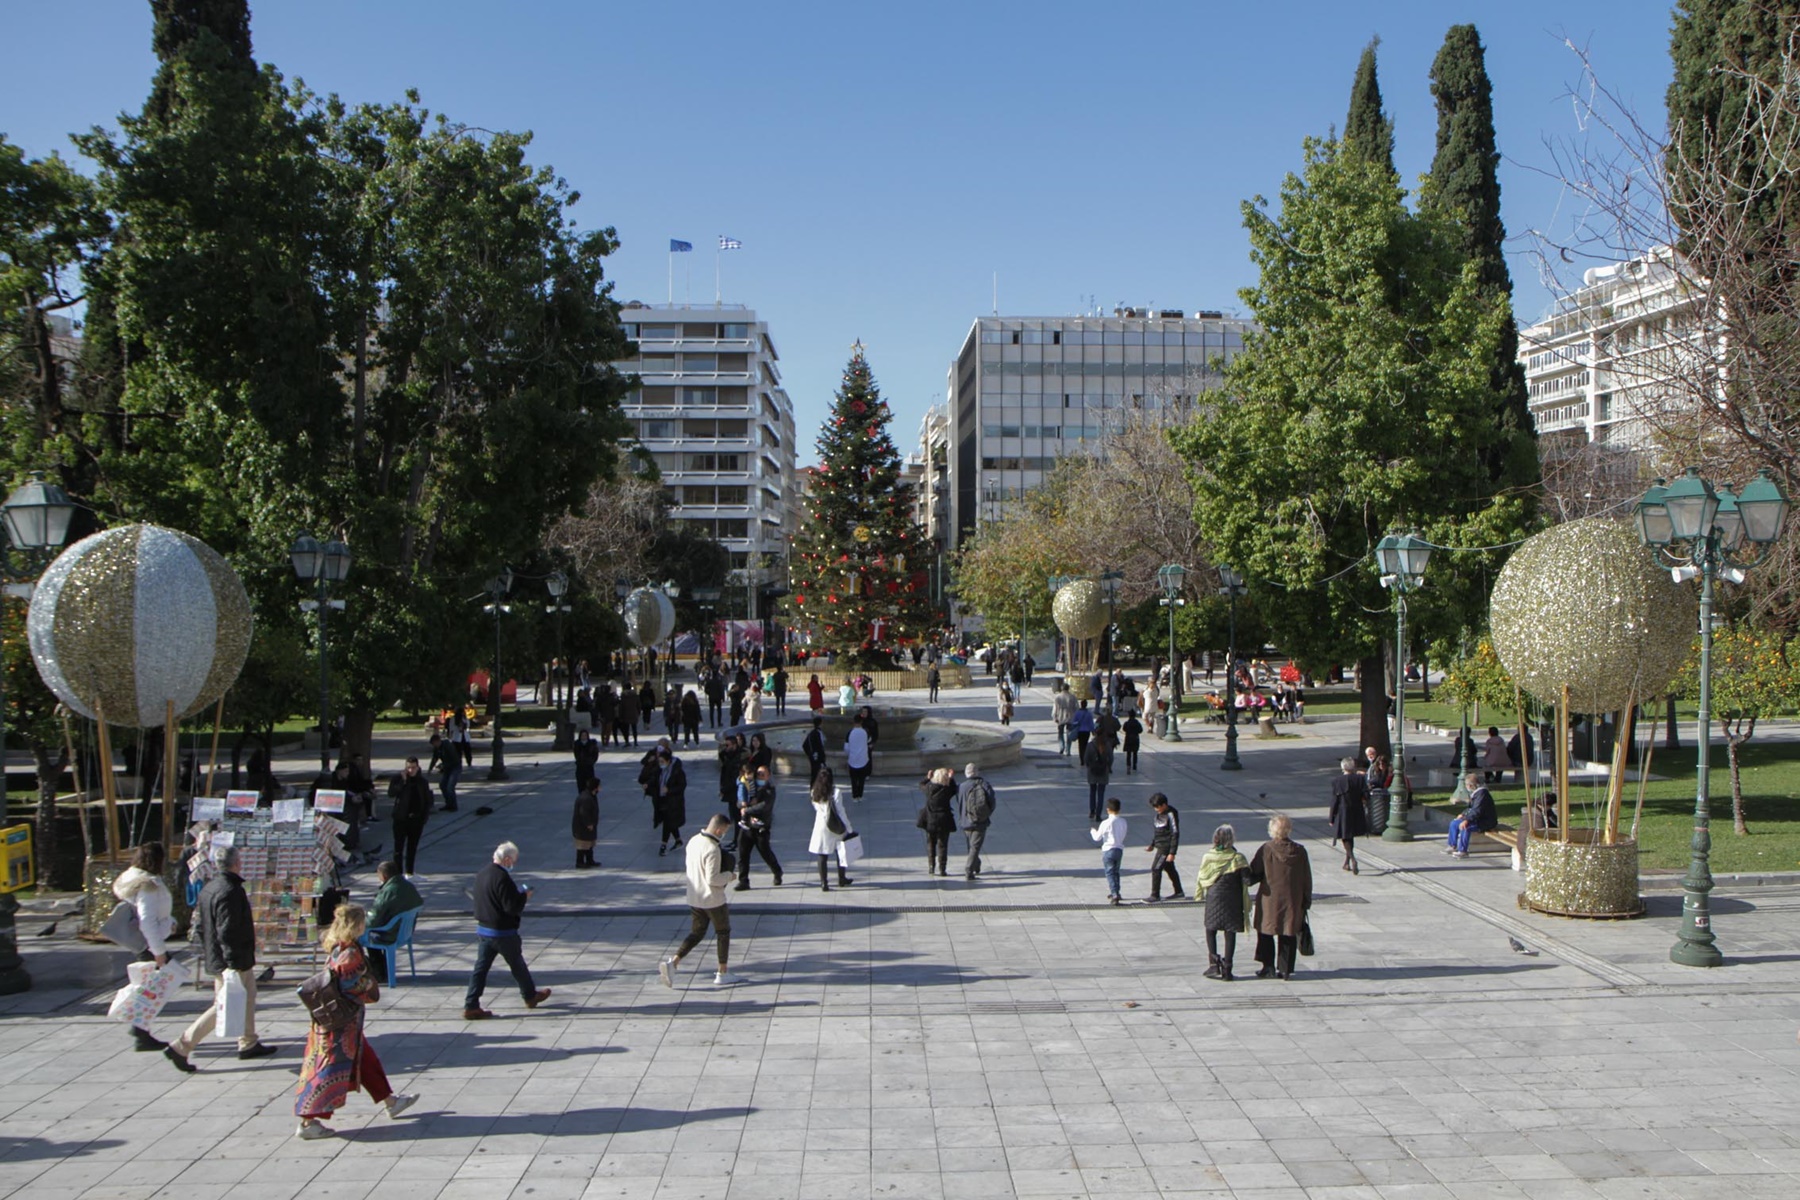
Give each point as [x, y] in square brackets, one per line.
[707, 878]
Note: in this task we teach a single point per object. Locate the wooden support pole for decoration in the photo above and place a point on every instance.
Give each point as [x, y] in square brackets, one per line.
[1562, 764]
[212, 762]
[171, 770]
[1526, 757]
[108, 788]
[1644, 773]
[87, 835]
[1615, 787]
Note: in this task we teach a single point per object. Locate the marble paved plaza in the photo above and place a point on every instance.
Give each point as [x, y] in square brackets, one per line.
[925, 1037]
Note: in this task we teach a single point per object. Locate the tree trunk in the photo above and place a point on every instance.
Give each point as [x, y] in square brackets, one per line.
[1671, 736]
[1732, 742]
[49, 773]
[1374, 704]
[359, 734]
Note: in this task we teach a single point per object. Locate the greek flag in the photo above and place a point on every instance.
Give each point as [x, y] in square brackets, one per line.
[676, 247]
[726, 243]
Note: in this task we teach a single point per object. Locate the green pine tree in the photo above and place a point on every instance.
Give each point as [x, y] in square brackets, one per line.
[1464, 186]
[1369, 132]
[858, 559]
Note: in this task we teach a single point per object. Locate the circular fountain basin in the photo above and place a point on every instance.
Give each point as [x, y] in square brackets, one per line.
[909, 743]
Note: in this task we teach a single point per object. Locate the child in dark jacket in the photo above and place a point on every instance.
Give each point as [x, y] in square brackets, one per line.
[584, 827]
[1165, 840]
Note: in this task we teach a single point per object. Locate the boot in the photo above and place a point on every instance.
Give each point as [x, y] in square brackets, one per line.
[843, 879]
[1213, 969]
[1225, 970]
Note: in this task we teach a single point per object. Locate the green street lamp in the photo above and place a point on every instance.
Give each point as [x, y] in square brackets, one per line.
[1170, 577]
[1110, 581]
[557, 584]
[1402, 560]
[1231, 586]
[1703, 532]
[321, 564]
[497, 589]
[37, 517]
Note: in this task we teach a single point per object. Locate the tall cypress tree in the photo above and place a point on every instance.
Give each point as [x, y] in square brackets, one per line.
[1368, 132]
[1464, 185]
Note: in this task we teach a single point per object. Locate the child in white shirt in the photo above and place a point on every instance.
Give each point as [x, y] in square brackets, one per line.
[1111, 834]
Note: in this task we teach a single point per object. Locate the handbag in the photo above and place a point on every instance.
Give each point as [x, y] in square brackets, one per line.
[833, 822]
[330, 1009]
[1306, 940]
[121, 929]
[138, 1002]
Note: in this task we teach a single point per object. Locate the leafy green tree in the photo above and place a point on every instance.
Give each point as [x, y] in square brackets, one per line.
[859, 557]
[1754, 675]
[1465, 186]
[1360, 407]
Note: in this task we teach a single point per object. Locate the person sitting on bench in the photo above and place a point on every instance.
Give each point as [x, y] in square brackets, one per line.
[1479, 817]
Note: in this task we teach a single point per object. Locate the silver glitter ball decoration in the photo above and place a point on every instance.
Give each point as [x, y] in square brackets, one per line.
[649, 617]
[131, 620]
[1585, 606]
[1079, 609]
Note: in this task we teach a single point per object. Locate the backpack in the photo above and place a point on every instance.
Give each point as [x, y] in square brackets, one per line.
[984, 798]
[331, 1010]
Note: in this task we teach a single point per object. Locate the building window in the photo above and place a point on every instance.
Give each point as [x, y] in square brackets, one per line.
[734, 330]
[659, 397]
[695, 397]
[700, 362]
[657, 429]
[715, 462]
[657, 364]
[667, 333]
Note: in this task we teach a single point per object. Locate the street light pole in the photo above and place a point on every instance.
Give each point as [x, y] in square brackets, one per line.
[1712, 526]
[497, 587]
[1231, 585]
[1170, 578]
[1402, 560]
[558, 585]
[321, 565]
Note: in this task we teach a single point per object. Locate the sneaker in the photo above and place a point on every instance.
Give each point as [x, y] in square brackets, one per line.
[476, 1014]
[180, 1060]
[1460, 854]
[665, 970]
[260, 1050]
[1114, 900]
[311, 1130]
[397, 1103]
[542, 995]
[1153, 898]
[721, 979]
[740, 887]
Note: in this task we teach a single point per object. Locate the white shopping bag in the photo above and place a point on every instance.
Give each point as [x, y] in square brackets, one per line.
[230, 1005]
[850, 850]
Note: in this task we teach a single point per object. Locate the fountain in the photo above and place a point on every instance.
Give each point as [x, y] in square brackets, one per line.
[908, 742]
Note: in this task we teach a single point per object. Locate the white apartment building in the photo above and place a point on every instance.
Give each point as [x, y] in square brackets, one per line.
[713, 414]
[928, 469]
[1619, 357]
[1025, 391]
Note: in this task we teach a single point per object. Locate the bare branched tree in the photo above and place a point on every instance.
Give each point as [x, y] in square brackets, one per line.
[611, 534]
[1699, 334]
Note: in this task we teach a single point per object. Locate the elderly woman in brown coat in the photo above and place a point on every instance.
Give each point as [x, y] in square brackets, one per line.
[1284, 875]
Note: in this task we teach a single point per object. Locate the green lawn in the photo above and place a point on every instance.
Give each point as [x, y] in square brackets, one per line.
[1771, 779]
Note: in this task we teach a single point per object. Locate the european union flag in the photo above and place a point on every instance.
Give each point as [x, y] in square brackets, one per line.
[676, 247]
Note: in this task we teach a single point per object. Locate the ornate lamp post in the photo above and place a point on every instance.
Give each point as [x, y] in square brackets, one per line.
[1109, 587]
[321, 564]
[1402, 559]
[1231, 586]
[1703, 531]
[497, 589]
[557, 584]
[1170, 577]
[37, 517]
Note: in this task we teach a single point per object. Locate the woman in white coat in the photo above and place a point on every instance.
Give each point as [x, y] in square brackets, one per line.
[753, 706]
[141, 886]
[828, 803]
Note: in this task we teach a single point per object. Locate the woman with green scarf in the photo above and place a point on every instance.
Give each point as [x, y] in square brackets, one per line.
[1224, 886]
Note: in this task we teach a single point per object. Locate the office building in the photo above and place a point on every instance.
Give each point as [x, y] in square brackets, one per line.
[712, 413]
[1025, 391]
[1620, 358]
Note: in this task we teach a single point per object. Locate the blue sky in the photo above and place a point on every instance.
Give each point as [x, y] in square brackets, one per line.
[881, 162]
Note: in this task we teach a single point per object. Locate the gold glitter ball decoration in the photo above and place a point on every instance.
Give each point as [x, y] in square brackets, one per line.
[129, 621]
[862, 533]
[1585, 606]
[649, 617]
[1079, 609]
[1578, 878]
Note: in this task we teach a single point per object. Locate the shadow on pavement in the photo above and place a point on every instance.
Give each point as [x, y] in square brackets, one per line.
[418, 1051]
[1444, 971]
[581, 1122]
[30, 1149]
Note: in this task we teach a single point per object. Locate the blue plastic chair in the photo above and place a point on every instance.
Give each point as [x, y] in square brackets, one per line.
[193, 892]
[401, 930]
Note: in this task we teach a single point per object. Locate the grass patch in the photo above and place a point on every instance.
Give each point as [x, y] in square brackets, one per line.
[1771, 778]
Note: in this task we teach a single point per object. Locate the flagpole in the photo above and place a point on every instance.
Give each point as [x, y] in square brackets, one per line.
[671, 274]
[718, 256]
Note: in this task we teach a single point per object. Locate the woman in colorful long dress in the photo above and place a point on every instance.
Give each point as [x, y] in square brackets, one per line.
[340, 1061]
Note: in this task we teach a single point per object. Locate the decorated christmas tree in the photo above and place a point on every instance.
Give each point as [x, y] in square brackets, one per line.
[855, 571]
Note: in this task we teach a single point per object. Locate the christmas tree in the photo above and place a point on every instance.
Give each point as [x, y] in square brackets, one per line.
[854, 575]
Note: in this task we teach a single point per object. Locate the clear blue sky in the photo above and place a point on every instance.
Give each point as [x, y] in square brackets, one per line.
[881, 162]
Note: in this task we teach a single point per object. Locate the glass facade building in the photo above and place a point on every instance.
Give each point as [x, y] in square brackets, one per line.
[1025, 391]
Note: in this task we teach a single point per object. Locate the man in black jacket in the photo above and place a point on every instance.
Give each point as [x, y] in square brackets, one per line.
[411, 795]
[814, 747]
[227, 935]
[1165, 840]
[499, 902]
[756, 821]
[671, 796]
